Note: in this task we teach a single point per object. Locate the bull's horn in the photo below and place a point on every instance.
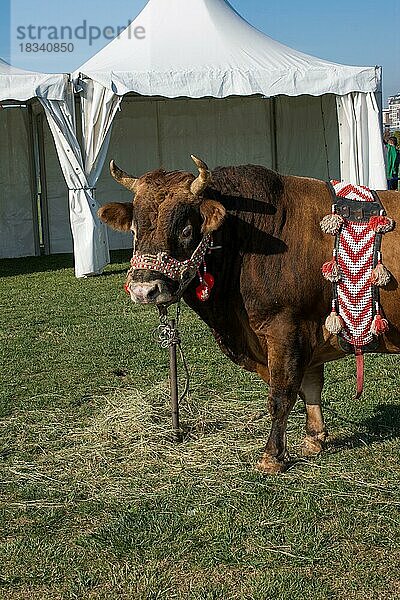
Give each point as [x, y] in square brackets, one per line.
[204, 178]
[123, 178]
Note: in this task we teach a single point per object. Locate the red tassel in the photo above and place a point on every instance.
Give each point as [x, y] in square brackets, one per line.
[330, 270]
[381, 224]
[360, 372]
[379, 325]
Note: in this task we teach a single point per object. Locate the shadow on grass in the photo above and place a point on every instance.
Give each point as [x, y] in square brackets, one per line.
[115, 271]
[11, 267]
[383, 426]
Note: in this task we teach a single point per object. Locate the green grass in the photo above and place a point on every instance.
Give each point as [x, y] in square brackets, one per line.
[98, 502]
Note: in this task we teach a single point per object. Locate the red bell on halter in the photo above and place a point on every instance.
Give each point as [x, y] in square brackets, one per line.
[203, 292]
[209, 280]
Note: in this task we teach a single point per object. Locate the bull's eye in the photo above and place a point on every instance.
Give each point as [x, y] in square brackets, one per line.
[187, 232]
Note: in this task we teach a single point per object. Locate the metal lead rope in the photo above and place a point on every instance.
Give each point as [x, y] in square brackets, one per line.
[167, 335]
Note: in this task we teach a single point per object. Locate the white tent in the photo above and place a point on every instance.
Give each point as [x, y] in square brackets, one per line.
[18, 84]
[202, 80]
[18, 209]
[200, 48]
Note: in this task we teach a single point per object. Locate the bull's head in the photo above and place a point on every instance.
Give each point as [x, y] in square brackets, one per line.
[172, 220]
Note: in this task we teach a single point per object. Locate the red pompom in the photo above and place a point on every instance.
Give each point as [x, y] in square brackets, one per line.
[381, 224]
[379, 325]
[331, 271]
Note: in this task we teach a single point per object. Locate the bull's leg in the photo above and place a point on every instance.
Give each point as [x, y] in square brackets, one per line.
[310, 392]
[286, 373]
[274, 459]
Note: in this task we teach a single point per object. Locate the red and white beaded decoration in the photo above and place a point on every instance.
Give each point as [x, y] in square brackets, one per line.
[355, 315]
[167, 265]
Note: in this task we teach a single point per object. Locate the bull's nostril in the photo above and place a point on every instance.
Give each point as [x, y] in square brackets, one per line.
[153, 292]
[146, 293]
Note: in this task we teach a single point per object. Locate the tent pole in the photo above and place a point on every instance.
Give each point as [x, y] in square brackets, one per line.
[33, 176]
[379, 101]
[43, 184]
[274, 139]
[328, 174]
[159, 144]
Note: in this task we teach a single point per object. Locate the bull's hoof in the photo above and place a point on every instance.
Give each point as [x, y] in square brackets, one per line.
[269, 465]
[313, 445]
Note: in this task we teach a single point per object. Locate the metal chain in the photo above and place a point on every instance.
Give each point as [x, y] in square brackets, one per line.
[167, 336]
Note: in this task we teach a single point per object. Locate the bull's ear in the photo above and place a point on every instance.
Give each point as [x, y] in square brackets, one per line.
[118, 215]
[213, 214]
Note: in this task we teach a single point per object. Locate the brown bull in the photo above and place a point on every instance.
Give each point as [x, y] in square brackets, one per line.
[269, 302]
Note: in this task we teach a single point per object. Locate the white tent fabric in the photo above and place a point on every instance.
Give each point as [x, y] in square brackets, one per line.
[361, 149]
[18, 84]
[17, 213]
[204, 49]
[91, 249]
[199, 48]
[56, 202]
[149, 133]
[162, 132]
[80, 173]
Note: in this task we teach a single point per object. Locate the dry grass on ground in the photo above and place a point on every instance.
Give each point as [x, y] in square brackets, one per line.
[98, 502]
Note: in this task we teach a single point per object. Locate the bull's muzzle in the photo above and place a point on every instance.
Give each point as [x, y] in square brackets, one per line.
[172, 276]
[144, 293]
[153, 291]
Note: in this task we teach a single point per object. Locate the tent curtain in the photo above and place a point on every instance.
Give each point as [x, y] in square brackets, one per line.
[91, 251]
[361, 147]
[17, 221]
[98, 111]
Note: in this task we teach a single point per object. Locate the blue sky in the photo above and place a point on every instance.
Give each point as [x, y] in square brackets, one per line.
[359, 32]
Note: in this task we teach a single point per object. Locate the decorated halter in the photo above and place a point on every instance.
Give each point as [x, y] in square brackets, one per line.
[183, 271]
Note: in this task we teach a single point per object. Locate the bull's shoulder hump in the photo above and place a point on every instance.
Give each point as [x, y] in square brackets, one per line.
[305, 185]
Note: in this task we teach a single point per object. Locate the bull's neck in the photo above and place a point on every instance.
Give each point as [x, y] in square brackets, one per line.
[256, 230]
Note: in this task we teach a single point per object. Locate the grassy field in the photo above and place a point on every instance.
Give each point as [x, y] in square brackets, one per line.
[97, 502]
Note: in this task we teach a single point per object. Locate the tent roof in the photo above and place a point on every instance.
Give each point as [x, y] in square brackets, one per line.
[18, 84]
[199, 48]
